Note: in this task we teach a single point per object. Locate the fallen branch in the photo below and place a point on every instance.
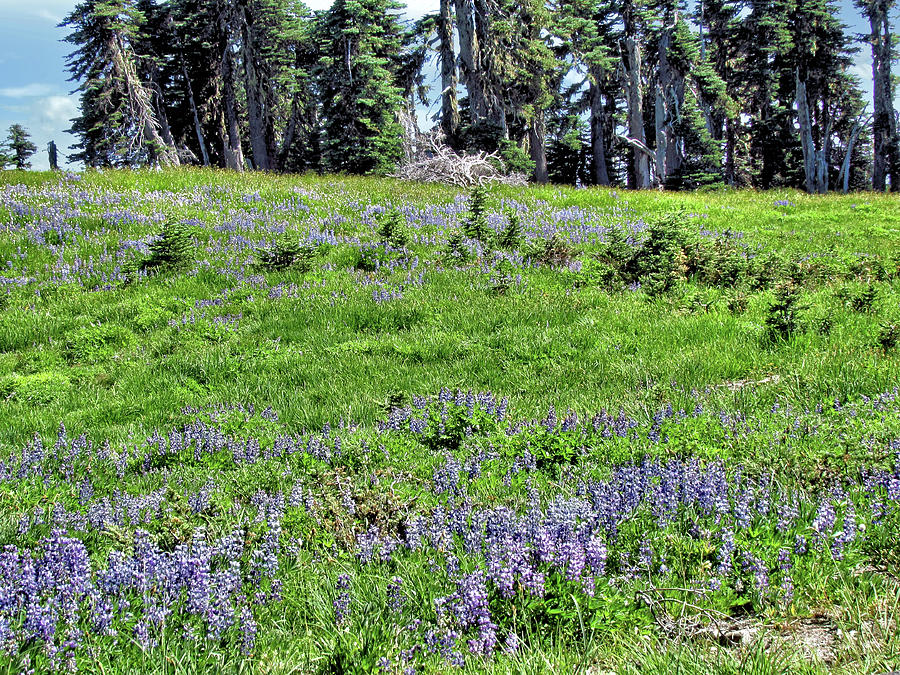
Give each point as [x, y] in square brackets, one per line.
[440, 164]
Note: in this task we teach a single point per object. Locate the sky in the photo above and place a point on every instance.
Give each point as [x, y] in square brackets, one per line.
[34, 90]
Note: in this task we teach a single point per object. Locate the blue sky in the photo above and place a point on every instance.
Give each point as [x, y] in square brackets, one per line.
[34, 90]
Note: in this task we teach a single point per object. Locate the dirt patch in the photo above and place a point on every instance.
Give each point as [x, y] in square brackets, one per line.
[813, 638]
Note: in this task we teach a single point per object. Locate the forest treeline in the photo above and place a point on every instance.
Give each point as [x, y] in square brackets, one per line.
[638, 93]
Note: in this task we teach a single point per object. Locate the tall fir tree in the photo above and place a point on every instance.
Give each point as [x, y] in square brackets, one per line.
[118, 124]
[20, 147]
[358, 41]
[886, 141]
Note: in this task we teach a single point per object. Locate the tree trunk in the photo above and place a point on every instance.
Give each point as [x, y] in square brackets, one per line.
[469, 61]
[884, 126]
[845, 166]
[635, 101]
[806, 139]
[538, 150]
[449, 106]
[197, 127]
[598, 131]
[234, 155]
[495, 111]
[730, 142]
[164, 129]
[255, 96]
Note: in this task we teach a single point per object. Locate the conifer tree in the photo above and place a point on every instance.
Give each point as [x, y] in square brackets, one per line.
[885, 136]
[20, 147]
[118, 124]
[357, 83]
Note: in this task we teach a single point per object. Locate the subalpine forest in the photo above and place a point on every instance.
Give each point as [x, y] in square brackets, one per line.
[638, 93]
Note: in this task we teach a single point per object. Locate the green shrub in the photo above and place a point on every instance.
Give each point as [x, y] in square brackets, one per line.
[552, 251]
[783, 317]
[475, 225]
[889, 336]
[40, 388]
[455, 252]
[170, 250]
[288, 251]
[515, 159]
[391, 229]
[511, 236]
[864, 300]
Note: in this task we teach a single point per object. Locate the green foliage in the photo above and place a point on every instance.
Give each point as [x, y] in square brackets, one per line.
[392, 229]
[20, 147]
[96, 343]
[288, 251]
[552, 251]
[475, 225]
[511, 235]
[888, 336]
[514, 158]
[358, 83]
[660, 261]
[171, 250]
[783, 315]
[455, 251]
[38, 389]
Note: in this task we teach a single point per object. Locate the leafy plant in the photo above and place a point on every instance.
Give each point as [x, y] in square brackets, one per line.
[864, 300]
[455, 251]
[552, 251]
[888, 336]
[511, 235]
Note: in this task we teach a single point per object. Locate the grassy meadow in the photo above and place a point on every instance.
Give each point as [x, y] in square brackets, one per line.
[281, 424]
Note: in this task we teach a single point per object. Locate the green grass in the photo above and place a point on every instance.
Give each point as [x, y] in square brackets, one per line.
[89, 341]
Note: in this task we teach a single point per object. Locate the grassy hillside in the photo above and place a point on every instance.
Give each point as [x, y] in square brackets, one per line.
[313, 423]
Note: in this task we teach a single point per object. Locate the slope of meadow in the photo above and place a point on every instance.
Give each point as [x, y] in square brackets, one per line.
[322, 424]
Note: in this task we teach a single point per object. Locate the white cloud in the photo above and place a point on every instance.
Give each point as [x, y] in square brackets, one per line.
[43, 13]
[54, 113]
[27, 91]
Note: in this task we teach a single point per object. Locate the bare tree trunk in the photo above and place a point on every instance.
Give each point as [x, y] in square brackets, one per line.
[845, 166]
[730, 142]
[142, 111]
[255, 96]
[806, 139]
[234, 155]
[165, 130]
[449, 105]
[598, 131]
[197, 127]
[635, 101]
[884, 126]
[469, 61]
[537, 148]
[495, 111]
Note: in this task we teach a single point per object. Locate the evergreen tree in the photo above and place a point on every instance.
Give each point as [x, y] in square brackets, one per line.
[358, 42]
[886, 140]
[118, 124]
[587, 33]
[20, 147]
